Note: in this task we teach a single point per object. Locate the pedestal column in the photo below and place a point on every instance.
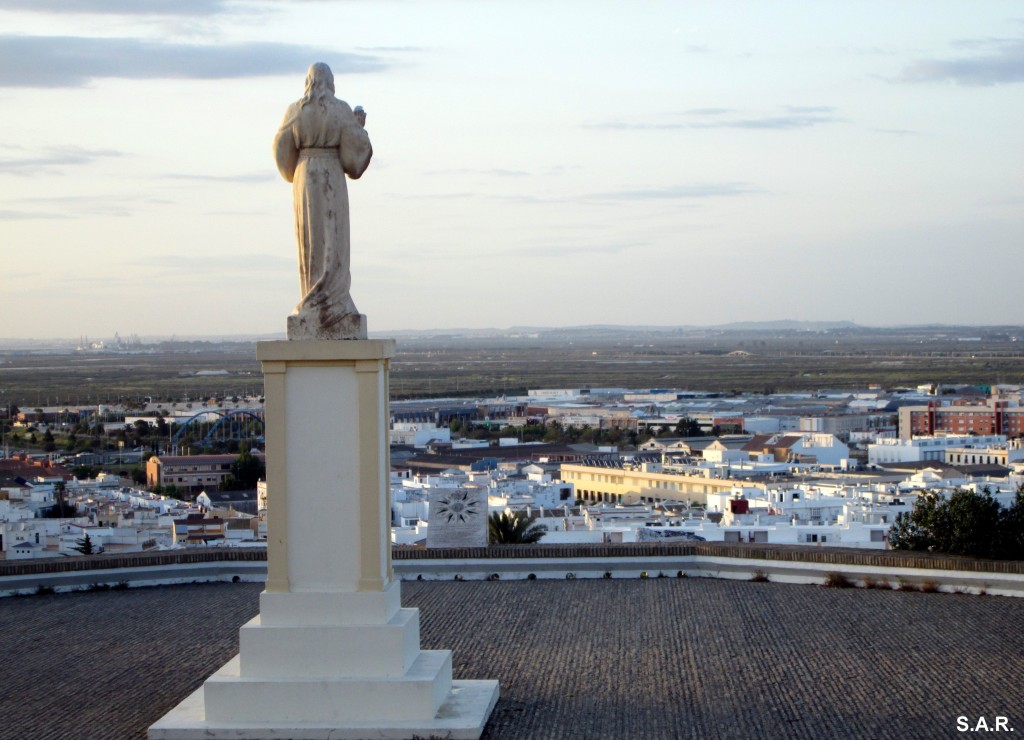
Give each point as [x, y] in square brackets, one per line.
[332, 652]
[327, 451]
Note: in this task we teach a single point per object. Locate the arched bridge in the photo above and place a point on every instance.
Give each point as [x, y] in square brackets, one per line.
[229, 425]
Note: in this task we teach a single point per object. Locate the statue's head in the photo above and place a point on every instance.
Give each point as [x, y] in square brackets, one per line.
[319, 82]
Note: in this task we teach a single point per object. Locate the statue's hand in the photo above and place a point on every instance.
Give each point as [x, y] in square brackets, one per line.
[360, 115]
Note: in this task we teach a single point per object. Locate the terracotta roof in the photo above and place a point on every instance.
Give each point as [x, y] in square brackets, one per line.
[758, 443]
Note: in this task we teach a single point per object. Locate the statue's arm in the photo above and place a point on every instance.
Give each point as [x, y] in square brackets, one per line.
[355, 145]
[286, 149]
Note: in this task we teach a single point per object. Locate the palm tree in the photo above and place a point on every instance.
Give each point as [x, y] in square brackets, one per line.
[511, 529]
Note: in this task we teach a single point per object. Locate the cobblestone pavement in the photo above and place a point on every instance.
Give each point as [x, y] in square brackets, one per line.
[656, 658]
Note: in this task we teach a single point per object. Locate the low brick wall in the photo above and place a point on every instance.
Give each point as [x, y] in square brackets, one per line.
[133, 560]
[779, 553]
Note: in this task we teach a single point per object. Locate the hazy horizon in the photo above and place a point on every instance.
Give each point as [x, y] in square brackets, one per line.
[563, 164]
[738, 326]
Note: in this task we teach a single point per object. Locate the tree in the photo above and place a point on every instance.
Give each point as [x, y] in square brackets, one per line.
[141, 430]
[85, 545]
[908, 532]
[687, 427]
[967, 523]
[1011, 528]
[170, 490]
[62, 508]
[554, 432]
[246, 471]
[84, 472]
[511, 529]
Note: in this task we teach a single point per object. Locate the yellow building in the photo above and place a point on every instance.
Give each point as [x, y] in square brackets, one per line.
[646, 484]
[189, 472]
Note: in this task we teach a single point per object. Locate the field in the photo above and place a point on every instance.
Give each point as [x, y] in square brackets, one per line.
[511, 362]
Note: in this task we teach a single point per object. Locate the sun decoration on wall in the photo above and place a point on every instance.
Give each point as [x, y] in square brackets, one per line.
[457, 506]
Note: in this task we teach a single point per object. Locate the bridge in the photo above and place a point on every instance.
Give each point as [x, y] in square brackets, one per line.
[236, 424]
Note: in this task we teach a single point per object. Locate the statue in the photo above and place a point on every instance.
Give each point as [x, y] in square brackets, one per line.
[321, 140]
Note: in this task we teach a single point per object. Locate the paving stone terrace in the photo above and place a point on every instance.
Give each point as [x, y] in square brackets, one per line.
[636, 658]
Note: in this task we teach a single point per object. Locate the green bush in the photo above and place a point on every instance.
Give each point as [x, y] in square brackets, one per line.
[966, 523]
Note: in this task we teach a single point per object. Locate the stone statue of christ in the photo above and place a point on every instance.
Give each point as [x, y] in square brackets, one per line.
[321, 140]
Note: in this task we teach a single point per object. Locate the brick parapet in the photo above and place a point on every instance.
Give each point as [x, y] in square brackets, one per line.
[780, 553]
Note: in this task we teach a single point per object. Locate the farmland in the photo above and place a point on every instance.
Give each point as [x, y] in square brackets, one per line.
[509, 362]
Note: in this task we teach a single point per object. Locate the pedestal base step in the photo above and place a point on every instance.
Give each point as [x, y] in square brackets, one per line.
[462, 716]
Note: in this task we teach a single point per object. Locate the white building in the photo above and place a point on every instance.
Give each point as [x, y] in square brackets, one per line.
[418, 434]
[919, 449]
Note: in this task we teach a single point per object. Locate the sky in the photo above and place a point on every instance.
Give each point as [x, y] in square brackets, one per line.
[553, 163]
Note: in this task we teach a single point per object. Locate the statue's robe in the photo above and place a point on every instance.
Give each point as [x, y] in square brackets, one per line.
[318, 144]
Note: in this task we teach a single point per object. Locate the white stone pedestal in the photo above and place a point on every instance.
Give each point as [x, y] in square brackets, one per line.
[332, 653]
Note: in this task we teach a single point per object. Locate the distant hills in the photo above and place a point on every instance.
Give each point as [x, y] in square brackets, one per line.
[744, 326]
[605, 331]
[783, 326]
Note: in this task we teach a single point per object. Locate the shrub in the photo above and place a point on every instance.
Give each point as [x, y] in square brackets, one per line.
[837, 580]
[759, 577]
[929, 587]
[964, 523]
[907, 586]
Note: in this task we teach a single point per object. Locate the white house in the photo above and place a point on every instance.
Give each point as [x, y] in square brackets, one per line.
[919, 449]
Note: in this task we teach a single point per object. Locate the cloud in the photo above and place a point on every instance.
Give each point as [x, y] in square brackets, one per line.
[786, 122]
[76, 206]
[11, 215]
[535, 251]
[251, 177]
[897, 131]
[121, 7]
[679, 192]
[793, 117]
[436, 196]
[73, 61]
[1002, 64]
[672, 192]
[391, 49]
[215, 264]
[53, 158]
[709, 111]
[496, 172]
